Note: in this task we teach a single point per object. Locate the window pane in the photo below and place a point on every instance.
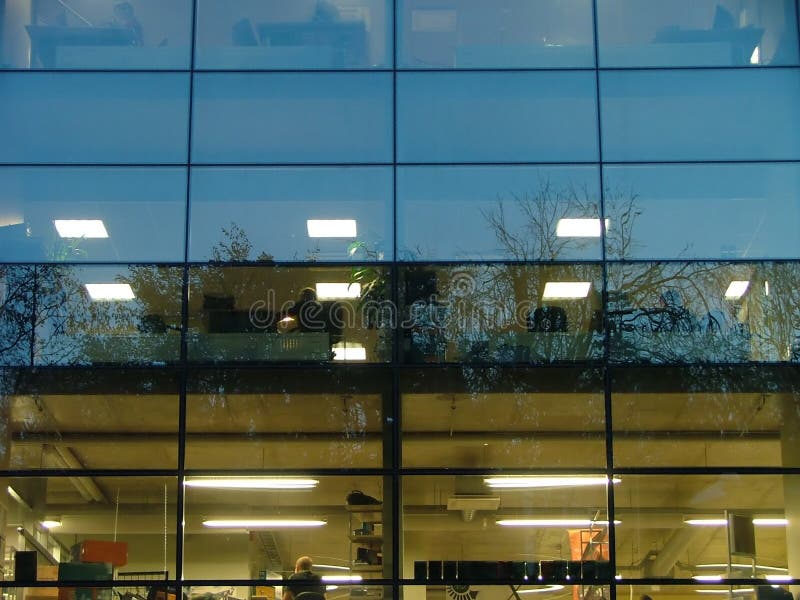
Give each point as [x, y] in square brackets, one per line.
[16, 313]
[496, 117]
[522, 521]
[108, 315]
[651, 33]
[321, 418]
[290, 314]
[701, 115]
[103, 419]
[495, 33]
[654, 510]
[320, 214]
[93, 117]
[358, 537]
[487, 213]
[292, 118]
[75, 214]
[286, 34]
[501, 313]
[491, 418]
[698, 312]
[84, 34]
[703, 211]
[704, 416]
[139, 511]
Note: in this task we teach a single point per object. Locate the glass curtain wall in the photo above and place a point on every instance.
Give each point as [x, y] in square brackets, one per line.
[463, 299]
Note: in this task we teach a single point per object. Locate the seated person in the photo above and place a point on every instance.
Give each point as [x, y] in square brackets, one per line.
[305, 581]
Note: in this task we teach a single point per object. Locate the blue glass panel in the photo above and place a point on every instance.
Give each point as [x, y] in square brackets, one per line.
[292, 117]
[496, 117]
[495, 33]
[93, 117]
[488, 213]
[108, 314]
[288, 34]
[273, 214]
[701, 115]
[653, 33]
[99, 214]
[86, 34]
[703, 211]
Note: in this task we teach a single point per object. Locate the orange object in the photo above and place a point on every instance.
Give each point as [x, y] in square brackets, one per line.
[115, 553]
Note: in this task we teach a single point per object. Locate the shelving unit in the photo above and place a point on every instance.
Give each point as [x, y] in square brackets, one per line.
[365, 530]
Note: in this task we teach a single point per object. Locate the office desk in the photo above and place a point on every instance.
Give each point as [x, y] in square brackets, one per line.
[45, 39]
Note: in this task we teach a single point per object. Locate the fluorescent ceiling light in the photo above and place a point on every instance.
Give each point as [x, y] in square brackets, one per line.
[48, 524]
[706, 522]
[109, 291]
[579, 227]
[778, 578]
[547, 481]
[771, 522]
[81, 228]
[707, 577]
[727, 591]
[351, 351]
[740, 566]
[253, 483]
[547, 588]
[337, 291]
[562, 290]
[341, 578]
[552, 523]
[331, 228]
[736, 289]
[333, 567]
[262, 523]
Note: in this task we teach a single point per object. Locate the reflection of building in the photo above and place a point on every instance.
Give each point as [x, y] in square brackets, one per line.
[554, 252]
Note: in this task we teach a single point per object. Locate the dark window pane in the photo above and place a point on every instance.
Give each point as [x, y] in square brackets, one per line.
[651, 33]
[321, 214]
[495, 33]
[292, 118]
[488, 213]
[94, 117]
[76, 214]
[703, 211]
[491, 418]
[496, 117]
[286, 34]
[83, 34]
[501, 313]
[701, 115]
[17, 313]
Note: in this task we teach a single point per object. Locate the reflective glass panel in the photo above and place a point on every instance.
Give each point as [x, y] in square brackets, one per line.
[320, 418]
[319, 214]
[292, 118]
[111, 314]
[650, 33]
[698, 312]
[703, 211]
[705, 417]
[138, 512]
[290, 314]
[16, 313]
[490, 418]
[85, 34]
[484, 519]
[500, 590]
[105, 419]
[700, 115]
[94, 117]
[486, 213]
[496, 117]
[495, 33]
[292, 34]
[75, 214]
[694, 514]
[501, 313]
[700, 590]
[234, 519]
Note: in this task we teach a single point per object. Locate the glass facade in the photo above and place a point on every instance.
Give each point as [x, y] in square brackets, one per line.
[464, 299]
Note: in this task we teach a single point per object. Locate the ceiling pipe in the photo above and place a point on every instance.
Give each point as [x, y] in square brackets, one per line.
[85, 485]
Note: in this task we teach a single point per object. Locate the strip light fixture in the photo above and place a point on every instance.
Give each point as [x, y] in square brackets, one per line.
[331, 228]
[262, 523]
[109, 292]
[553, 523]
[80, 228]
[338, 291]
[252, 483]
[579, 227]
[566, 290]
[547, 481]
